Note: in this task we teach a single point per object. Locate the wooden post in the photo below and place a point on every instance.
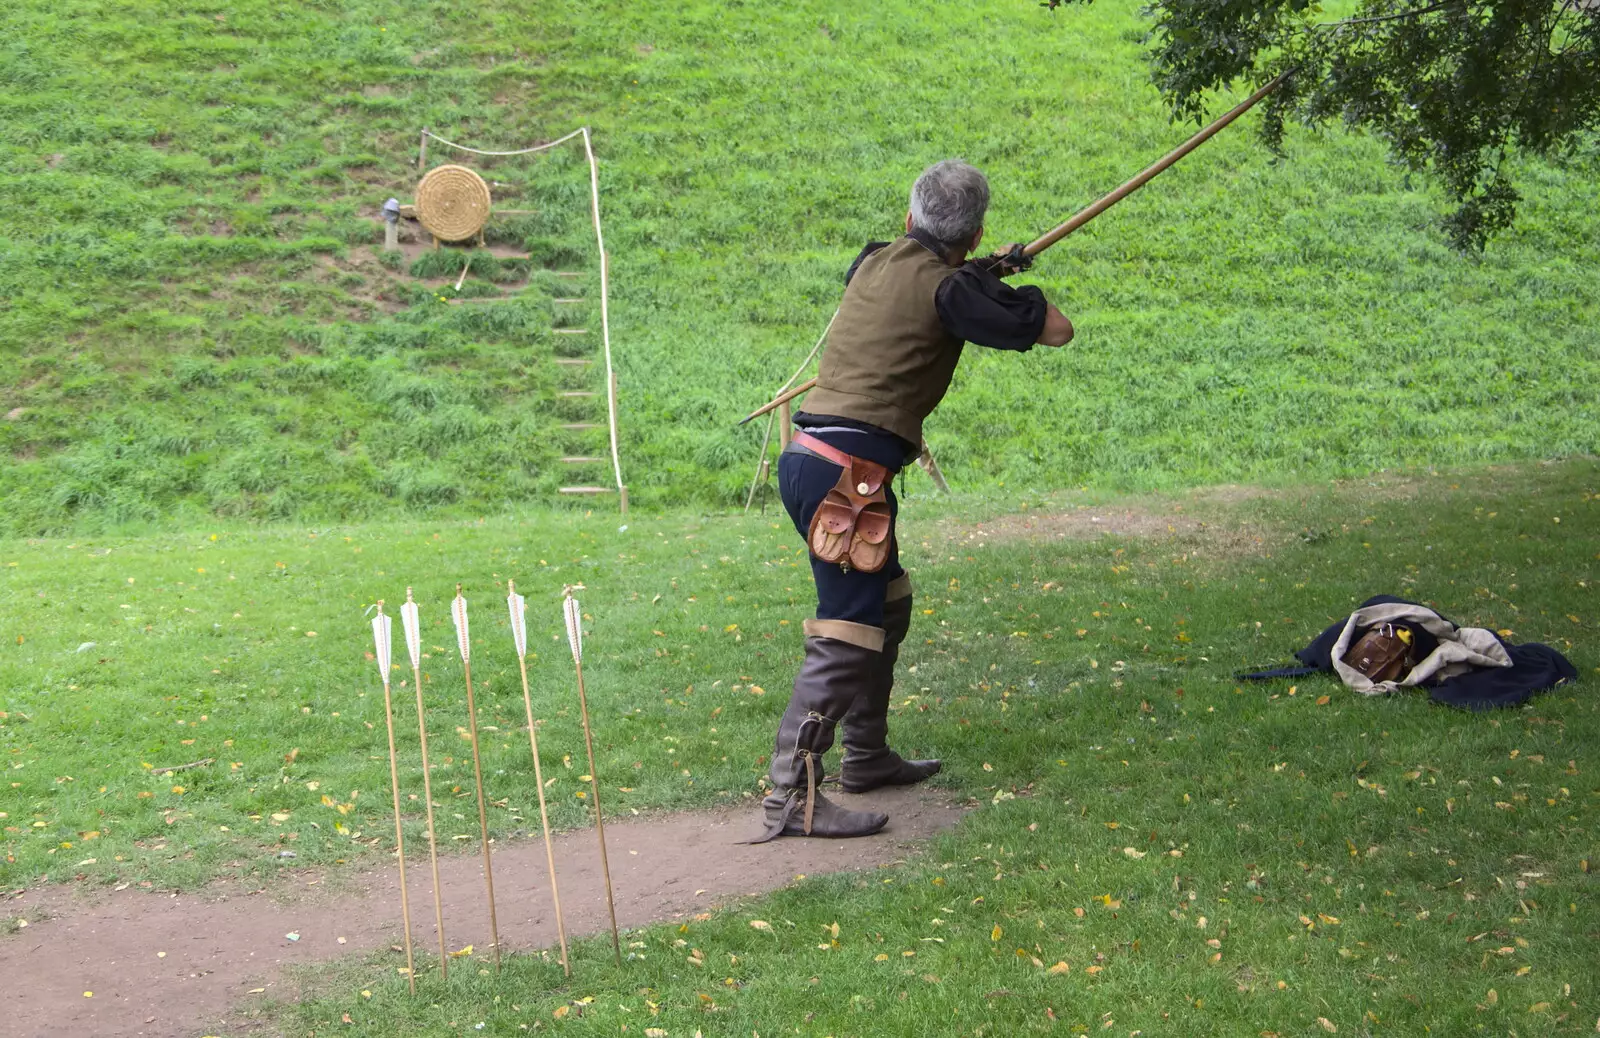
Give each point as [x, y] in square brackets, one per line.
[422, 151]
[761, 465]
[931, 467]
[785, 423]
[391, 225]
[622, 493]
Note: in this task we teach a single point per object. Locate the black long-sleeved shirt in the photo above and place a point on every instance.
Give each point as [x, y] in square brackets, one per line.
[974, 306]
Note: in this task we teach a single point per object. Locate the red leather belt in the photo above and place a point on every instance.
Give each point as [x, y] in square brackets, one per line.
[831, 453]
[825, 450]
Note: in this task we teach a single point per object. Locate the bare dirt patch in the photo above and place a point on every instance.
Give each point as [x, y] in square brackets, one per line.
[189, 963]
[414, 241]
[1233, 494]
[1224, 536]
[1381, 486]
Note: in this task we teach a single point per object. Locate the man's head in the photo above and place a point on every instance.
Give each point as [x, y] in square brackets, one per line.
[948, 202]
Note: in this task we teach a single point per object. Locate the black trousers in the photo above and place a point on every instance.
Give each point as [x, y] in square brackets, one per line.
[803, 481]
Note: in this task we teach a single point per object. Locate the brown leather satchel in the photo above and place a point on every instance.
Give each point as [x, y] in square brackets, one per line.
[1383, 653]
[853, 523]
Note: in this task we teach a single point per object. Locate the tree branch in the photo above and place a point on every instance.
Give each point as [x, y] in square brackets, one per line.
[1374, 19]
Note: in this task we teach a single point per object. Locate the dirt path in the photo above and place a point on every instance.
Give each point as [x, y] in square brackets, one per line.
[175, 964]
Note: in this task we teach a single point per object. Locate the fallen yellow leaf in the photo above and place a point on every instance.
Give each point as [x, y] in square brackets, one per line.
[760, 924]
[1059, 967]
[995, 934]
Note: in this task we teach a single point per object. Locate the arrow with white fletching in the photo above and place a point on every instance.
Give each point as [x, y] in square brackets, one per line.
[381, 645]
[569, 611]
[458, 613]
[413, 628]
[519, 621]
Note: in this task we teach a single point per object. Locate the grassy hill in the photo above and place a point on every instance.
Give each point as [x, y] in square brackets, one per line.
[196, 323]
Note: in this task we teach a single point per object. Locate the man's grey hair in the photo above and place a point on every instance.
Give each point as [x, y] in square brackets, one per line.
[948, 201]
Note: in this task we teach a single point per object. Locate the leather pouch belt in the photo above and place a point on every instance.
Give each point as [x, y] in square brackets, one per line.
[852, 525]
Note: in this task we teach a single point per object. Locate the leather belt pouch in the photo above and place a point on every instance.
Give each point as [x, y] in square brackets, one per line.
[853, 524]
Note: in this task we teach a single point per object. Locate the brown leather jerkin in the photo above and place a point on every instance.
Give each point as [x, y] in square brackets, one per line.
[852, 525]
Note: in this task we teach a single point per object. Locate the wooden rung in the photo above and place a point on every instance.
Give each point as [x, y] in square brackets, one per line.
[584, 490]
[580, 426]
[573, 361]
[579, 460]
[567, 274]
[482, 299]
[570, 331]
[577, 393]
[567, 299]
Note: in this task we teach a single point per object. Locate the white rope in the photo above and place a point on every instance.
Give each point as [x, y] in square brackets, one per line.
[605, 279]
[523, 151]
[605, 315]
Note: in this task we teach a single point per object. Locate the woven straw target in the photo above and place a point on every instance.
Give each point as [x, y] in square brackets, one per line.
[452, 203]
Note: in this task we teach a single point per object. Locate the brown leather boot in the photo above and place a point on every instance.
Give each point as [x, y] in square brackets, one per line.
[868, 762]
[841, 658]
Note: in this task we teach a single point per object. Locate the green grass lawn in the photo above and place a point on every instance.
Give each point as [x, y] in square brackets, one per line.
[194, 327]
[1381, 863]
[198, 335]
